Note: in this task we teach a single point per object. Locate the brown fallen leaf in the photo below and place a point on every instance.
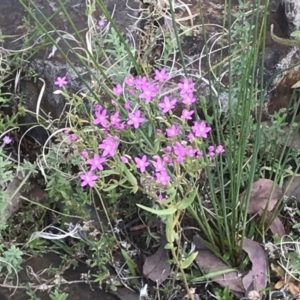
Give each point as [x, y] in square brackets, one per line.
[209, 263]
[259, 195]
[256, 278]
[285, 281]
[291, 187]
[156, 266]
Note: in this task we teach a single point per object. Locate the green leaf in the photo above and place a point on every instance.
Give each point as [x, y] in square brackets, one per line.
[189, 260]
[186, 202]
[296, 85]
[131, 179]
[171, 192]
[169, 229]
[161, 212]
[169, 246]
[295, 33]
[111, 187]
[106, 173]
[130, 263]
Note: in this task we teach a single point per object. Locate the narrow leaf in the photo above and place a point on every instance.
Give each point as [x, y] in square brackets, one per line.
[130, 263]
[161, 212]
[186, 202]
[189, 260]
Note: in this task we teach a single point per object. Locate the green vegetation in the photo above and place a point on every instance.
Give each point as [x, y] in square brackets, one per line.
[155, 159]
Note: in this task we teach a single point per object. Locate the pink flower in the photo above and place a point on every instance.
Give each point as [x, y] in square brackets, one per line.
[158, 164]
[141, 163]
[118, 90]
[115, 120]
[61, 81]
[190, 136]
[98, 107]
[188, 99]
[190, 151]
[167, 158]
[101, 23]
[161, 197]
[129, 80]
[109, 146]
[161, 75]
[199, 154]
[167, 104]
[135, 119]
[96, 162]
[141, 82]
[101, 118]
[84, 153]
[186, 87]
[6, 140]
[88, 178]
[124, 159]
[211, 154]
[211, 148]
[162, 177]
[220, 149]
[149, 92]
[72, 137]
[186, 114]
[127, 105]
[179, 151]
[172, 131]
[200, 129]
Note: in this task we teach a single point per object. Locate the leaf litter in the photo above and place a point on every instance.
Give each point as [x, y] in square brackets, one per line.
[210, 263]
[256, 278]
[254, 281]
[259, 202]
[156, 266]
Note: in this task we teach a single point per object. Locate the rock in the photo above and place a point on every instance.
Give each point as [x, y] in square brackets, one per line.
[280, 59]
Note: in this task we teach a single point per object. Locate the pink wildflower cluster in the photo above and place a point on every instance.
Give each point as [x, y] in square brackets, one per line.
[108, 147]
[181, 140]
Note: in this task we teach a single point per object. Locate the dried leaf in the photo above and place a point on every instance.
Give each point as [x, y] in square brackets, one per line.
[277, 227]
[293, 289]
[279, 285]
[156, 266]
[259, 195]
[278, 270]
[284, 280]
[291, 187]
[256, 277]
[209, 263]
